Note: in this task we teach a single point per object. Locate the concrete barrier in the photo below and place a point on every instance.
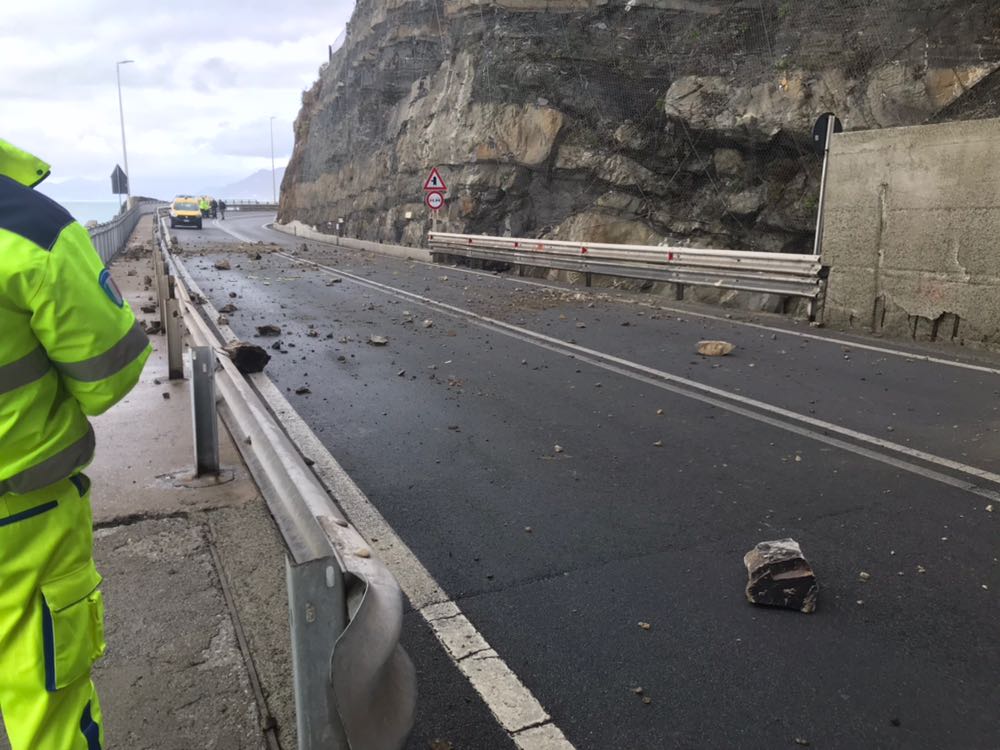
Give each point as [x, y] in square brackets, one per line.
[912, 232]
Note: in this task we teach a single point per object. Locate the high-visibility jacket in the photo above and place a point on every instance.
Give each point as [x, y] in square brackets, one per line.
[69, 344]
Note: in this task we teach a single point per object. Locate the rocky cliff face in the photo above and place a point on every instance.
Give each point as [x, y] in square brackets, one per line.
[642, 121]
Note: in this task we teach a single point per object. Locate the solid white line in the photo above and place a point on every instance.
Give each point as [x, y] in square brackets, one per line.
[693, 314]
[231, 232]
[512, 704]
[564, 346]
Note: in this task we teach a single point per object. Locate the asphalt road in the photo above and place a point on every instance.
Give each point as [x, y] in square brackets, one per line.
[670, 467]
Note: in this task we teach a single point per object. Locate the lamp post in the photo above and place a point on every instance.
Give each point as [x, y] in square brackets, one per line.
[121, 117]
[274, 188]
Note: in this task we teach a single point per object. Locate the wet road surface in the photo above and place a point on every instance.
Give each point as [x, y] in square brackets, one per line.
[669, 467]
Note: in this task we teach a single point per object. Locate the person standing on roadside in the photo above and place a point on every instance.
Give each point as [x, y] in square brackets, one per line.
[204, 206]
[70, 348]
[215, 208]
[222, 209]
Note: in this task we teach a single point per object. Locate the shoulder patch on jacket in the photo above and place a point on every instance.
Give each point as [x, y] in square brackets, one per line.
[30, 214]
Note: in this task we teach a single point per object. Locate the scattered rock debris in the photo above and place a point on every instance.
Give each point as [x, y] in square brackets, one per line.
[659, 412]
[269, 329]
[312, 333]
[334, 280]
[302, 390]
[711, 348]
[248, 358]
[558, 448]
[148, 309]
[228, 308]
[378, 340]
[779, 576]
[645, 626]
[222, 320]
[864, 576]
[166, 396]
[152, 327]
[658, 444]
[428, 324]
[222, 265]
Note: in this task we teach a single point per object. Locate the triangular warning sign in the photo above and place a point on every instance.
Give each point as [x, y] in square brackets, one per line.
[434, 181]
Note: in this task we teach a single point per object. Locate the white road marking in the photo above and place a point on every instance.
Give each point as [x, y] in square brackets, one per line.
[693, 314]
[749, 324]
[634, 369]
[512, 704]
[230, 231]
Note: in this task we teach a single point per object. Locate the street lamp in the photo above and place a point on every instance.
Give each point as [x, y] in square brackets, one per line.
[121, 117]
[274, 189]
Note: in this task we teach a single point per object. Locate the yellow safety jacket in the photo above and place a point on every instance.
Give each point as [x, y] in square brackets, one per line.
[69, 344]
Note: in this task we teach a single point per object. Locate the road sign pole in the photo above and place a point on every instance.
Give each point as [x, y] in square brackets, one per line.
[818, 241]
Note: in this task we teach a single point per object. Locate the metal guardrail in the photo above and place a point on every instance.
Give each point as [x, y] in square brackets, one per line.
[772, 273]
[355, 687]
[248, 205]
[111, 237]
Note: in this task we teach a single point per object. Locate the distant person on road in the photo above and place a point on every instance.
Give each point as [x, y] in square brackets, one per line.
[222, 209]
[204, 205]
[70, 348]
[215, 208]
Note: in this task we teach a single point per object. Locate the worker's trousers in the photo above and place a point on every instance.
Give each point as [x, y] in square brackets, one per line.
[51, 619]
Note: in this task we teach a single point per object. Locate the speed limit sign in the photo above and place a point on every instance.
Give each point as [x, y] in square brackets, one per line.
[434, 201]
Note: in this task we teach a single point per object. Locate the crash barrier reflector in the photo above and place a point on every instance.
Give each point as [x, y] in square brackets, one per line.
[355, 687]
[792, 275]
[111, 237]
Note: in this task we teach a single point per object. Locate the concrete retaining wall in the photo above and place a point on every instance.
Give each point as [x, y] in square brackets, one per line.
[912, 232]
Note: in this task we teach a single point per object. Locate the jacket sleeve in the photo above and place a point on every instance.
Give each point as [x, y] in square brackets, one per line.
[85, 326]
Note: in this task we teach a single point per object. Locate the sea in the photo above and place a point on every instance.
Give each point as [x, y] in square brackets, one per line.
[84, 211]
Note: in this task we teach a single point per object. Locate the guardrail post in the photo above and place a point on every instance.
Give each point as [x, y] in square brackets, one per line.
[161, 288]
[678, 292]
[206, 429]
[587, 278]
[317, 609]
[175, 364]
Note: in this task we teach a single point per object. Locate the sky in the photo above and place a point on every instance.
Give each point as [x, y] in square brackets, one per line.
[197, 100]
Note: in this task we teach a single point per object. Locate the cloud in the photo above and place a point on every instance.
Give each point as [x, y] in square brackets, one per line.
[197, 100]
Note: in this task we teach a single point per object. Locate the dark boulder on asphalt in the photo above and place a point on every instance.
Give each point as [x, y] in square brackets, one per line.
[779, 576]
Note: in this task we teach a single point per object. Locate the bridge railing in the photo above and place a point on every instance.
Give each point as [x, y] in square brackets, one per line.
[793, 275]
[111, 237]
[354, 685]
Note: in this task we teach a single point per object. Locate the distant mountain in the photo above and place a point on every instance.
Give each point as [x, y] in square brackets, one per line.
[255, 187]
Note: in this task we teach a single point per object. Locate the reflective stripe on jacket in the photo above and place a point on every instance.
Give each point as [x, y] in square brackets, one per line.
[70, 345]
